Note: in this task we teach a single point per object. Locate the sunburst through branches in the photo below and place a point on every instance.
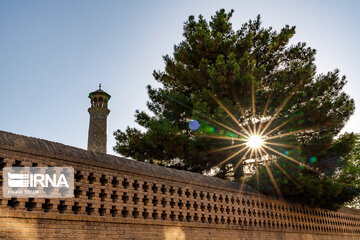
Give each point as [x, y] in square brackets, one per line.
[257, 139]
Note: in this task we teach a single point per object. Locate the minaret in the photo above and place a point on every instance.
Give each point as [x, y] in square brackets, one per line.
[98, 120]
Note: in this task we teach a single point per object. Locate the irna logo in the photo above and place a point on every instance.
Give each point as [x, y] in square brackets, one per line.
[41, 182]
[34, 180]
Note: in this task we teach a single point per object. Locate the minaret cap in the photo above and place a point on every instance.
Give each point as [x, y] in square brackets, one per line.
[99, 92]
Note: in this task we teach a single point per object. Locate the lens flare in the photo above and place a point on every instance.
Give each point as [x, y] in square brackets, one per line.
[261, 136]
[255, 141]
[194, 125]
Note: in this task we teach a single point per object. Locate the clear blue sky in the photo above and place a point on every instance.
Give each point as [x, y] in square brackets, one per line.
[53, 53]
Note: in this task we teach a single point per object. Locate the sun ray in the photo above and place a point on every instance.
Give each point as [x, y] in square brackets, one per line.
[290, 158]
[257, 170]
[254, 127]
[279, 126]
[264, 112]
[281, 169]
[228, 158]
[243, 183]
[228, 128]
[251, 153]
[253, 97]
[273, 180]
[257, 178]
[261, 149]
[284, 172]
[241, 110]
[208, 118]
[253, 104]
[290, 133]
[221, 137]
[256, 167]
[277, 112]
[270, 174]
[226, 148]
[228, 112]
[281, 145]
[295, 132]
[242, 159]
[290, 119]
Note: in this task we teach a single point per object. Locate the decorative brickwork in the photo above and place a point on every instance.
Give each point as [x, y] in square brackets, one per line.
[117, 198]
[97, 129]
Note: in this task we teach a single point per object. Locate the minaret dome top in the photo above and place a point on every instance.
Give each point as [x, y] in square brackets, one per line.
[99, 98]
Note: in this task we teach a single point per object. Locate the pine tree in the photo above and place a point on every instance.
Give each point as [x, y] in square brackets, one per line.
[238, 83]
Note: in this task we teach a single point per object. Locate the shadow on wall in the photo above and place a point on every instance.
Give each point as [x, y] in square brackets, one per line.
[30, 229]
[174, 233]
[18, 229]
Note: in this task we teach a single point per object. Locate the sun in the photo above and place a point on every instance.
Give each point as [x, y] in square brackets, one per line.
[255, 141]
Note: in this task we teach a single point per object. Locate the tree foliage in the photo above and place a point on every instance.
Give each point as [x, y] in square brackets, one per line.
[349, 174]
[213, 72]
[335, 181]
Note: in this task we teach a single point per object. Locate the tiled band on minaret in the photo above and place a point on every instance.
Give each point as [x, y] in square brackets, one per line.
[98, 120]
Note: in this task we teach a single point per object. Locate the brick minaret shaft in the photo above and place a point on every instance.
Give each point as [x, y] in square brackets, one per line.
[98, 120]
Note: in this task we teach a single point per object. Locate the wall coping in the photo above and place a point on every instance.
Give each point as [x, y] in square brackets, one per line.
[37, 146]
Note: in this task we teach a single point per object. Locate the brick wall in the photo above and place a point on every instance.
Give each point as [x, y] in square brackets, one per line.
[117, 198]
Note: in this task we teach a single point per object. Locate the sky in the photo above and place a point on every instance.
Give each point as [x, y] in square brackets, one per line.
[53, 53]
